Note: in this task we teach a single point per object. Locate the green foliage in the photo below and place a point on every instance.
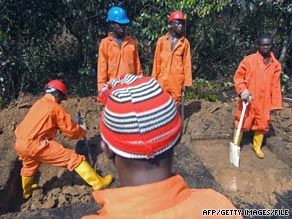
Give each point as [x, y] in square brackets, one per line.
[202, 89]
[206, 7]
[286, 83]
[2, 104]
[42, 40]
[215, 90]
[86, 85]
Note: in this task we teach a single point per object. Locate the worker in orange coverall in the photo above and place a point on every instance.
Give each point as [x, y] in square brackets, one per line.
[257, 80]
[172, 60]
[118, 52]
[35, 145]
[143, 156]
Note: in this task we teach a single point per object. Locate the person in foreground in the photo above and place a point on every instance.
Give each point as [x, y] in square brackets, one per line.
[258, 81]
[140, 126]
[35, 145]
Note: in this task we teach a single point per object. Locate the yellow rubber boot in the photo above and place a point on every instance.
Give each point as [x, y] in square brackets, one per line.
[27, 186]
[88, 174]
[239, 137]
[257, 144]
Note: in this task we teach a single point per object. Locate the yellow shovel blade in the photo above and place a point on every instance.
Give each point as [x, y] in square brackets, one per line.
[234, 154]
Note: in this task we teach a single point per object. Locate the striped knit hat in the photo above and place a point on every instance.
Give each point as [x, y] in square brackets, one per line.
[139, 120]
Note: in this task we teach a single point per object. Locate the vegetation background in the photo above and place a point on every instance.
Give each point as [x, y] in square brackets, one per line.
[44, 40]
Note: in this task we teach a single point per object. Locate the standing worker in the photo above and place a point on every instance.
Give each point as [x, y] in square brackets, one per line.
[35, 145]
[172, 65]
[118, 52]
[257, 80]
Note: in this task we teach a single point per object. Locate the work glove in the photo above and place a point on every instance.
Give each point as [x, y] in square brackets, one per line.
[78, 119]
[246, 95]
[83, 126]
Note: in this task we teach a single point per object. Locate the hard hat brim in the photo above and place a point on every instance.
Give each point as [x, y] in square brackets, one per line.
[125, 21]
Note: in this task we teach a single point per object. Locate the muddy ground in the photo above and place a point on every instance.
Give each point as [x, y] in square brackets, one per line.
[201, 158]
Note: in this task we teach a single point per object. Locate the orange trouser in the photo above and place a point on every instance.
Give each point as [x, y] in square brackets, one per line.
[53, 153]
[175, 91]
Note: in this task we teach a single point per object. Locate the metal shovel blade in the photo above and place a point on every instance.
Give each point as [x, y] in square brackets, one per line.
[234, 150]
[234, 154]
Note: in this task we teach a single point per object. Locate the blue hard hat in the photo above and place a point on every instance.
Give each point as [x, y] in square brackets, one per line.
[117, 14]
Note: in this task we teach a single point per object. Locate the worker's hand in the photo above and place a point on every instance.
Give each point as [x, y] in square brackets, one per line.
[274, 112]
[83, 126]
[184, 89]
[103, 93]
[105, 88]
[246, 95]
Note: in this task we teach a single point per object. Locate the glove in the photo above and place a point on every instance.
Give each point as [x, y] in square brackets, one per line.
[246, 95]
[83, 126]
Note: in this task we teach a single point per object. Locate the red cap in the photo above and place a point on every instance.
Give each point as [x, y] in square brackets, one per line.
[140, 119]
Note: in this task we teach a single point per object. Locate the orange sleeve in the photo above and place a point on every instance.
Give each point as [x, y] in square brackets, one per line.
[157, 60]
[240, 76]
[187, 65]
[65, 123]
[211, 199]
[37, 123]
[43, 120]
[102, 69]
[276, 93]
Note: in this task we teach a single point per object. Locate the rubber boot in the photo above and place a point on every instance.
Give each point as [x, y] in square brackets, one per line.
[239, 137]
[257, 144]
[88, 174]
[27, 186]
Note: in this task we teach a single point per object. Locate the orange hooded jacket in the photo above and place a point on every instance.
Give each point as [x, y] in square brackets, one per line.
[263, 82]
[114, 61]
[172, 69]
[170, 198]
[35, 133]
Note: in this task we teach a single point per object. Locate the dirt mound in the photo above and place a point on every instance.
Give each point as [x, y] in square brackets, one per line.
[202, 158]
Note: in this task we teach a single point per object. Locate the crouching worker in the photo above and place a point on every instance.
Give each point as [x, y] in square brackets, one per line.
[140, 126]
[35, 145]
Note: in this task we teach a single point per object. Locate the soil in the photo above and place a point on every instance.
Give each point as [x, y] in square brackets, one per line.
[202, 158]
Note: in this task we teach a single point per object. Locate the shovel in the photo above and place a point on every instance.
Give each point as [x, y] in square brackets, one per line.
[80, 122]
[182, 112]
[234, 150]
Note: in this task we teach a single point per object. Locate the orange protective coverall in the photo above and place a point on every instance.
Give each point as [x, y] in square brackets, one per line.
[173, 69]
[263, 82]
[34, 135]
[114, 61]
[170, 198]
